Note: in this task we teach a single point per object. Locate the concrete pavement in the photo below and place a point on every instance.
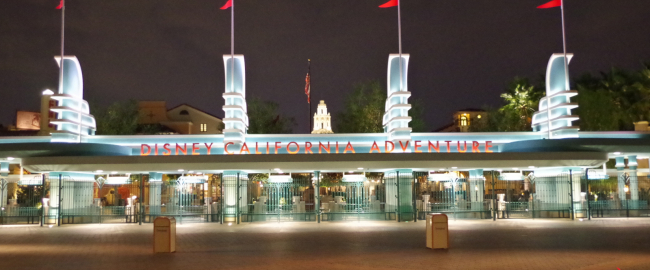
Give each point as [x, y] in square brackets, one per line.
[476, 244]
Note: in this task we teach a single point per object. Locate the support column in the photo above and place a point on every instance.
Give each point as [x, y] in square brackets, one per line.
[235, 194]
[403, 192]
[155, 191]
[4, 183]
[476, 189]
[634, 181]
[317, 195]
[620, 171]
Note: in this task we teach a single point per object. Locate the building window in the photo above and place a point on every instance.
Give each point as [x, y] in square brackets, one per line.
[463, 121]
[184, 112]
[204, 127]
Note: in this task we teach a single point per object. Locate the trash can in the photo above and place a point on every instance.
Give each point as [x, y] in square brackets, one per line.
[437, 231]
[164, 235]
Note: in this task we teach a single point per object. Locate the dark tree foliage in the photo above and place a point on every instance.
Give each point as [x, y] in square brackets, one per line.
[364, 110]
[264, 118]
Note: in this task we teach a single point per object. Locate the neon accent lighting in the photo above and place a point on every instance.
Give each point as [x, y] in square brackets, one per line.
[396, 118]
[73, 118]
[236, 117]
[557, 102]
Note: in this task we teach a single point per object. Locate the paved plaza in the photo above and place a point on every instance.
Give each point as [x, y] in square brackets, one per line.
[504, 244]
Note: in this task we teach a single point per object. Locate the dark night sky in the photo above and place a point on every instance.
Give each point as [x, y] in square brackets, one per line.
[462, 52]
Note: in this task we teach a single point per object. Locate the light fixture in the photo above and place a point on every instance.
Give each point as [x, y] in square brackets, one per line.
[10, 158]
[351, 171]
[48, 92]
[113, 172]
[360, 168]
[99, 171]
[277, 169]
[531, 167]
[181, 170]
[454, 167]
[442, 169]
[190, 172]
[617, 153]
[199, 173]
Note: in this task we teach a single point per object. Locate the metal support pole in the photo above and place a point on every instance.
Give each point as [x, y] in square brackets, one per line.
[59, 215]
[588, 204]
[237, 202]
[221, 198]
[494, 200]
[413, 191]
[571, 194]
[42, 196]
[398, 200]
[141, 200]
[317, 196]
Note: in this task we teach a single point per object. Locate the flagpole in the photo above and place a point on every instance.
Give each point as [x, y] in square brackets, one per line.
[309, 96]
[232, 47]
[62, 46]
[566, 61]
[399, 26]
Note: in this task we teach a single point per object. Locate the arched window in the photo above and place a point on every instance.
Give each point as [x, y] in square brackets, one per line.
[463, 121]
[184, 112]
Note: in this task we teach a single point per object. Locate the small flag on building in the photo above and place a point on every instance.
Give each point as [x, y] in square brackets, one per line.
[227, 5]
[552, 4]
[60, 5]
[391, 3]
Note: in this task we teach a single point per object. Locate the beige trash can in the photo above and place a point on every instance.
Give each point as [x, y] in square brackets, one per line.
[437, 231]
[164, 235]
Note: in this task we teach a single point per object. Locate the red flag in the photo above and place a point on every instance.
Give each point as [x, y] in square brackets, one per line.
[552, 4]
[391, 3]
[60, 5]
[308, 88]
[227, 5]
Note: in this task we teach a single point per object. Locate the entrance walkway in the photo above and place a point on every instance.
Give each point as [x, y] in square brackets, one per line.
[480, 244]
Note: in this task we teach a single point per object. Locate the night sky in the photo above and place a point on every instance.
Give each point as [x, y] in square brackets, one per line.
[462, 52]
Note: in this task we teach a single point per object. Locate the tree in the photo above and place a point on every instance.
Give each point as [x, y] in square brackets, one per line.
[614, 100]
[365, 107]
[264, 118]
[521, 102]
[121, 118]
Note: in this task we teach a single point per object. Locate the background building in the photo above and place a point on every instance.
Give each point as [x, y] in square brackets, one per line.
[462, 120]
[183, 119]
[322, 120]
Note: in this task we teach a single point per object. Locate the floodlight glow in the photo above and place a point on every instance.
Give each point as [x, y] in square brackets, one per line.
[439, 176]
[512, 176]
[280, 178]
[354, 177]
[193, 179]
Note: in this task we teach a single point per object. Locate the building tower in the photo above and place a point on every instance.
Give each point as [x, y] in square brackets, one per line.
[322, 120]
